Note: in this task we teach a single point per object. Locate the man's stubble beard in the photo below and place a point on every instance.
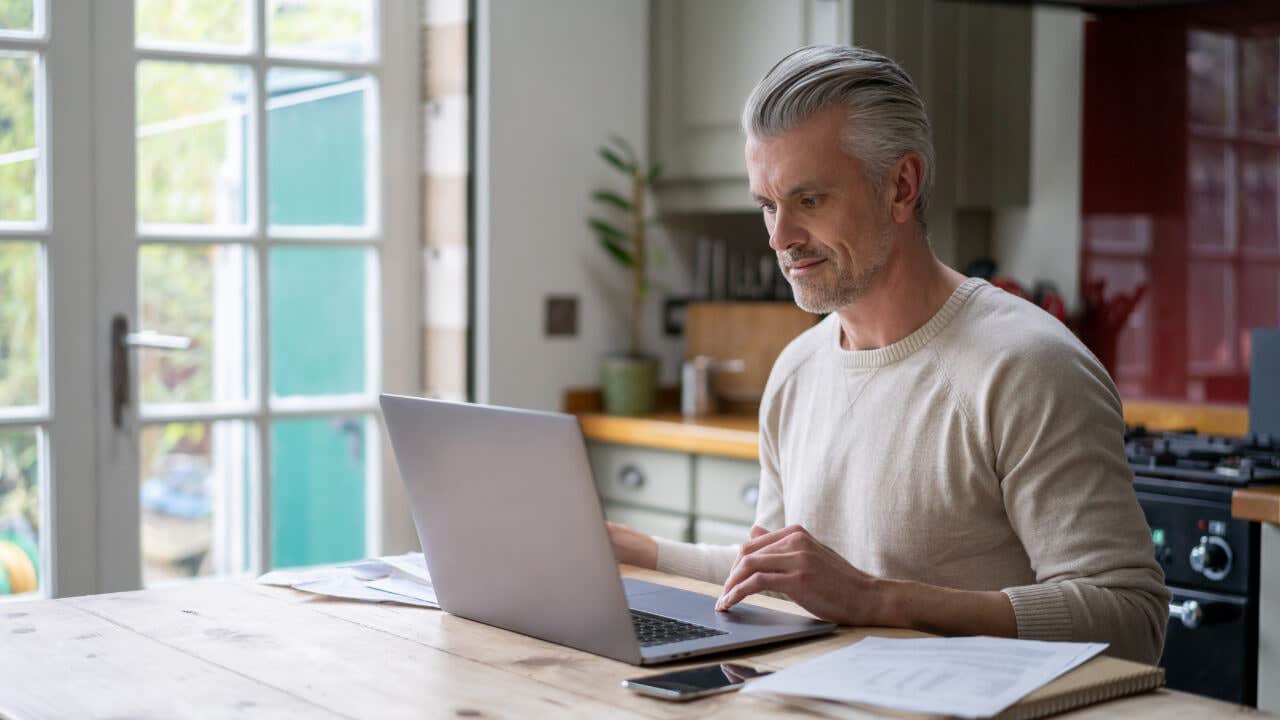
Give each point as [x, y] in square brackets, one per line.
[849, 285]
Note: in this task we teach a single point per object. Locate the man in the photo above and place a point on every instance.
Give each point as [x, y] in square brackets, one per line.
[935, 454]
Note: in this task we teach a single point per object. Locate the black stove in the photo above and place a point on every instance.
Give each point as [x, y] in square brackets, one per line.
[1186, 455]
[1184, 483]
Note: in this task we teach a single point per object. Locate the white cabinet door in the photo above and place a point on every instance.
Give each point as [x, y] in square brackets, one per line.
[708, 54]
[970, 61]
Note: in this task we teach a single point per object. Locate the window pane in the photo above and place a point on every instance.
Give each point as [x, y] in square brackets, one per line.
[207, 24]
[1260, 200]
[1210, 63]
[1209, 194]
[193, 144]
[20, 460]
[20, 318]
[195, 499]
[317, 148]
[18, 150]
[317, 489]
[17, 15]
[319, 301]
[1259, 89]
[202, 292]
[320, 29]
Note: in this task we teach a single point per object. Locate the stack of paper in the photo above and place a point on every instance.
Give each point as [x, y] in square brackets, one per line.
[967, 677]
[394, 578]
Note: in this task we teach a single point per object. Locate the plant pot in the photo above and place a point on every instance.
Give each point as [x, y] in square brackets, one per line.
[629, 384]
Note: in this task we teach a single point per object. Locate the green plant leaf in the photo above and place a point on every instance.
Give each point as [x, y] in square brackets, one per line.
[627, 151]
[618, 252]
[611, 198]
[655, 171]
[612, 158]
[605, 229]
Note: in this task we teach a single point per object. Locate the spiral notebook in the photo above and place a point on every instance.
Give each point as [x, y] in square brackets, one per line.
[1102, 678]
[1098, 680]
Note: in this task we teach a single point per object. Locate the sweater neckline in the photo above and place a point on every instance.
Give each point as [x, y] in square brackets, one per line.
[889, 354]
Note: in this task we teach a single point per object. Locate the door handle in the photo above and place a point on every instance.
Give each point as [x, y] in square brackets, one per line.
[121, 341]
[1189, 612]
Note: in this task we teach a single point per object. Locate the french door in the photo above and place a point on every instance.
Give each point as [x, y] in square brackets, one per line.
[218, 276]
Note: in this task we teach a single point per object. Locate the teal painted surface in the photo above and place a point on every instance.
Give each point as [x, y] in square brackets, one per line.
[317, 332]
[317, 320]
[315, 161]
[317, 490]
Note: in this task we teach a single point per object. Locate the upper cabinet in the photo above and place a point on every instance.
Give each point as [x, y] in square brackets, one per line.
[971, 61]
[708, 54]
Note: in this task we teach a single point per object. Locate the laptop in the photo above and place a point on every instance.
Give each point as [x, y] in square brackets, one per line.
[514, 536]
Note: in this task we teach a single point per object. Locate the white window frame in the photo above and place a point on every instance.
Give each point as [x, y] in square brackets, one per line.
[65, 414]
[394, 365]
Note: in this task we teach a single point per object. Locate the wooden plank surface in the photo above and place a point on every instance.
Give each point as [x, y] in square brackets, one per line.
[58, 661]
[340, 665]
[1261, 504]
[219, 649]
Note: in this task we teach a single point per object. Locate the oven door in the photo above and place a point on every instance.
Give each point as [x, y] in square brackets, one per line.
[1211, 646]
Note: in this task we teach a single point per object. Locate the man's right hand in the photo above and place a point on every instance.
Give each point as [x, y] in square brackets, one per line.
[633, 548]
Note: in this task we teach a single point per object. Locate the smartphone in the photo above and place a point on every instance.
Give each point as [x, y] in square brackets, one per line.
[694, 682]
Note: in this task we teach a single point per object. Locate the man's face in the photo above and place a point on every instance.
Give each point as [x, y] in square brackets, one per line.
[831, 232]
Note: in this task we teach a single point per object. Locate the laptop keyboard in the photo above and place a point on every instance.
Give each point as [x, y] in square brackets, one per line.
[658, 630]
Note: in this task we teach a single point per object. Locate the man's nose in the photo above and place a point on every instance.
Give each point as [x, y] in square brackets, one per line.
[786, 234]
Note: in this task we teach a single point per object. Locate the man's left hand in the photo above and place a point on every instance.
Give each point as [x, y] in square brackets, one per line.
[813, 575]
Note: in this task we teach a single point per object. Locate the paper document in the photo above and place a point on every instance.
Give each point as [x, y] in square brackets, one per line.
[395, 578]
[967, 677]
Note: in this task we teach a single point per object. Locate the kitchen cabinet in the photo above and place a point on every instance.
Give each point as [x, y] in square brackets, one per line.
[676, 495]
[971, 61]
[708, 54]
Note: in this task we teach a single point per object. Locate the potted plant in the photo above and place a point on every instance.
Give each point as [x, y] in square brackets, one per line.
[629, 379]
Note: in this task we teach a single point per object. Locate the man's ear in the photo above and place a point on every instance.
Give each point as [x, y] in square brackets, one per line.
[906, 177]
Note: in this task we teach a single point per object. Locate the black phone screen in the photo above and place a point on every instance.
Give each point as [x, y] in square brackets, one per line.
[700, 679]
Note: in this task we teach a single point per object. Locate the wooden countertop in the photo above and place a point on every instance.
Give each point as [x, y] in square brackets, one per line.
[739, 436]
[732, 435]
[1260, 503]
[226, 648]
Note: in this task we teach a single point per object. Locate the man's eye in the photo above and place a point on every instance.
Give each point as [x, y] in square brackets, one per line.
[770, 209]
[809, 201]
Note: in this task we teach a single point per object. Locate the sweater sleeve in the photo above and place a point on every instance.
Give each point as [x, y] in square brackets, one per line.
[713, 563]
[1068, 491]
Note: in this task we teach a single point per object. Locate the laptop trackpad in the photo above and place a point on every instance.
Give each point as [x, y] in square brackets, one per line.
[700, 609]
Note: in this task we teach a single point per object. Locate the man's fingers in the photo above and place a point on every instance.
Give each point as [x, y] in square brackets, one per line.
[757, 531]
[758, 582]
[757, 563]
[768, 538]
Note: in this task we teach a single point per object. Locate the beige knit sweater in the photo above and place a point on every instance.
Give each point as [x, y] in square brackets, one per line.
[984, 451]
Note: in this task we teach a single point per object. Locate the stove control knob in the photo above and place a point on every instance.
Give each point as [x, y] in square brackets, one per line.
[1212, 557]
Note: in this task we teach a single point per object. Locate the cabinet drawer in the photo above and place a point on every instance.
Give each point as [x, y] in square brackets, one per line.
[650, 522]
[720, 533]
[726, 489]
[641, 476]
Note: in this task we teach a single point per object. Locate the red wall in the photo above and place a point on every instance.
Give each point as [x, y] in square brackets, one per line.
[1181, 195]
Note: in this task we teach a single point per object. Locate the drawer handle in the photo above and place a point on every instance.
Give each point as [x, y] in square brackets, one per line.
[750, 494]
[631, 478]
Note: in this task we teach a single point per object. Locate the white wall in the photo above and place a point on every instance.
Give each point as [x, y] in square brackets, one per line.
[554, 80]
[1042, 240]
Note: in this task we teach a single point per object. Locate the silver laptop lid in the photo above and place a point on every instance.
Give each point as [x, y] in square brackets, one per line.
[510, 522]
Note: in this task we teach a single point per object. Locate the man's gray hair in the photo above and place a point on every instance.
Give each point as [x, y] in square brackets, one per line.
[886, 117]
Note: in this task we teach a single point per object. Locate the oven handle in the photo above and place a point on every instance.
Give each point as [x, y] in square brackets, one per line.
[1189, 612]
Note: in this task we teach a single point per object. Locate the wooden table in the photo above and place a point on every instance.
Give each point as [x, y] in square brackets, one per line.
[235, 648]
